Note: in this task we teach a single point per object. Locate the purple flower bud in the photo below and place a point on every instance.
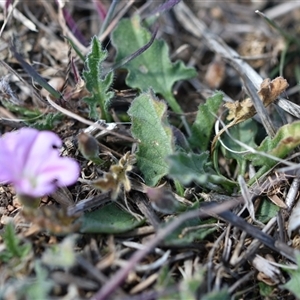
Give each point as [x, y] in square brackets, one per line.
[30, 160]
[88, 146]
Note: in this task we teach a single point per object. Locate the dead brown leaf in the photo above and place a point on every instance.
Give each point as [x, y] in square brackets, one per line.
[117, 176]
[240, 111]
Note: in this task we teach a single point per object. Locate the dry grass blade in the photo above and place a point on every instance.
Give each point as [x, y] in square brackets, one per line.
[222, 224]
[216, 44]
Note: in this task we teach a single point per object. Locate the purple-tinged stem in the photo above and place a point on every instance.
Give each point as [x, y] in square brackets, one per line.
[121, 275]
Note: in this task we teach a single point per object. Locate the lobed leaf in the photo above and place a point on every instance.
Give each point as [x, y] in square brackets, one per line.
[12, 243]
[153, 68]
[96, 84]
[150, 127]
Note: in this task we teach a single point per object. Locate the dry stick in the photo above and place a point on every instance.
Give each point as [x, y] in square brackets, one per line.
[10, 69]
[213, 209]
[68, 33]
[210, 260]
[108, 16]
[292, 193]
[95, 273]
[89, 203]
[199, 29]
[121, 275]
[85, 121]
[115, 21]
[264, 238]
[282, 9]
[252, 248]
[7, 18]
[238, 283]
[258, 104]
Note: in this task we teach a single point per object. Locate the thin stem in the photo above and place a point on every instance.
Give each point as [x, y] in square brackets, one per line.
[108, 16]
[121, 275]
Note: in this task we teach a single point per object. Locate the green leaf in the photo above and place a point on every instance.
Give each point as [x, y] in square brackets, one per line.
[205, 119]
[244, 132]
[182, 237]
[217, 295]
[108, 219]
[96, 85]
[286, 139]
[153, 68]
[189, 286]
[61, 255]
[196, 167]
[35, 75]
[293, 285]
[266, 211]
[265, 290]
[40, 287]
[34, 118]
[150, 128]
[46, 122]
[12, 243]
[76, 49]
[164, 282]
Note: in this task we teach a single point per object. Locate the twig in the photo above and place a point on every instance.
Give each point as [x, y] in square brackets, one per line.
[121, 275]
[197, 28]
[114, 22]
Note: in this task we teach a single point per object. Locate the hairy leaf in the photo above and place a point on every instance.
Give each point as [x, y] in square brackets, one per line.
[196, 167]
[150, 127]
[285, 140]
[108, 219]
[96, 84]
[12, 243]
[153, 68]
[205, 119]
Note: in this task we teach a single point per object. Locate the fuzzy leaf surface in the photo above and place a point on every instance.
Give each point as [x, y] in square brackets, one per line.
[205, 119]
[153, 68]
[150, 127]
[96, 84]
[196, 167]
[13, 245]
[108, 219]
[286, 139]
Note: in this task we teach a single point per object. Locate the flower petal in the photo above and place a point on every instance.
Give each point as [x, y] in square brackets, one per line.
[30, 162]
[6, 172]
[41, 150]
[14, 151]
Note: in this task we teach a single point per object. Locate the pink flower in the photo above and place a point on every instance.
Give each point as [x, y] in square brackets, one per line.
[30, 160]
